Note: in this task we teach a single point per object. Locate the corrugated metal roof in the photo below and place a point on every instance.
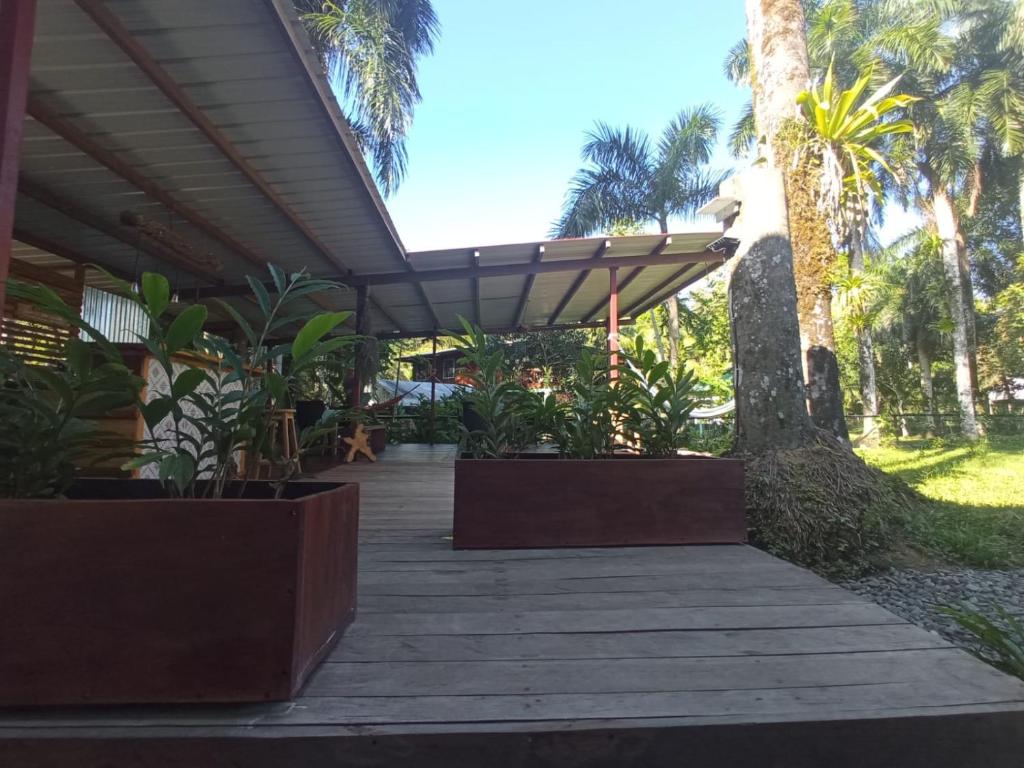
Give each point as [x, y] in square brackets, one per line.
[215, 120]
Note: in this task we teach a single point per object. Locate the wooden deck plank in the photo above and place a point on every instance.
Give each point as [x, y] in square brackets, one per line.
[456, 655]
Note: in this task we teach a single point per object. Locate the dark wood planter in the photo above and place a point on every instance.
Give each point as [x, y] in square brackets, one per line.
[118, 596]
[545, 501]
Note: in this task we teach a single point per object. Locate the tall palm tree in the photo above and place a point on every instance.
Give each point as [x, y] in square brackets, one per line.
[628, 180]
[370, 48]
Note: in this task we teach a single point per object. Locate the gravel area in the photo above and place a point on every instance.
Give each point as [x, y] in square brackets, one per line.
[916, 594]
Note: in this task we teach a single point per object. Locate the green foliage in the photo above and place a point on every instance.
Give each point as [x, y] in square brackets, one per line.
[371, 48]
[48, 433]
[654, 401]
[846, 133]
[229, 404]
[628, 180]
[496, 400]
[592, 417]
[999, 642]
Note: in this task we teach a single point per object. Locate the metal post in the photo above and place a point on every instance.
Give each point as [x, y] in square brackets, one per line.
[613, 322]
[362, 328]
[433, 388]
[17, 26]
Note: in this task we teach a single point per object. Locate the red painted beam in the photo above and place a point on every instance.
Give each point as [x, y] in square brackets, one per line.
[524, 298]
[17, 27]
[626, 282]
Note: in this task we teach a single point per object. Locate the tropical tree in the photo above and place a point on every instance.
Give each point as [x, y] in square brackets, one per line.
[844, 137]
[371, 48]
[628, 180]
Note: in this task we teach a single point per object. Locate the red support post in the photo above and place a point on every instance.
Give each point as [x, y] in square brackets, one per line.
[613, 322]
[17, 26]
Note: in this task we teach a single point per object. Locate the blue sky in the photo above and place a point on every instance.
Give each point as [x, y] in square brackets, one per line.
[511, 89]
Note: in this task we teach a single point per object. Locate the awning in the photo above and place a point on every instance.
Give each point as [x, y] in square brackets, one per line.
[201, 140]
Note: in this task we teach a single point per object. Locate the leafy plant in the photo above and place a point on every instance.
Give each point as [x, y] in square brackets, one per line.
[588, 429]
[48, 433]
[846, 133]
[496, 400]
[655, 401]
[228, 404]
[1000, 643]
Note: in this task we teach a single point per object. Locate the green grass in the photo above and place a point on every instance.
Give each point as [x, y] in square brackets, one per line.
[977, 514]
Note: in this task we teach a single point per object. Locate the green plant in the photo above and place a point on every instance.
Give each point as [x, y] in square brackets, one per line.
[496, 400]
[999, 643]
[228, 404]
[588, 428]
[48, 433]
[654, 400]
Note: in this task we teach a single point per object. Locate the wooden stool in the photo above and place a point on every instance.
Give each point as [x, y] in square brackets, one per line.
[283, 426]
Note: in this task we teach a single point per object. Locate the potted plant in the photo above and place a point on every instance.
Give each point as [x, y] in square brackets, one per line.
[612, 474]
[200, 584]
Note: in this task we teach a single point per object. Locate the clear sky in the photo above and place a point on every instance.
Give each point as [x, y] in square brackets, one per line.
[512, 87]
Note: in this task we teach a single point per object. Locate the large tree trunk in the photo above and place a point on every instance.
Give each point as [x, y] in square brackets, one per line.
[924, 363]
[656, 327]
[865, 351]
[779, 44]
[945, 222]
[771, 403]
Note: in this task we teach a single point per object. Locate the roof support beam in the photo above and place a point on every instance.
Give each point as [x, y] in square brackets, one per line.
[119, 34]
[524, 297]
[642, 306]
[502, 329]
[17, 25]
[581, 278]
[606, 301]
[51, 200]
[44, 244]
[504, 270]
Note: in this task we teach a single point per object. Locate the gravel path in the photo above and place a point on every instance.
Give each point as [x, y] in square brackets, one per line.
[915, 595]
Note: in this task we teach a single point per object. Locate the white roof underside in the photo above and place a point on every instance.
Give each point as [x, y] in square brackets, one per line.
[248, 68]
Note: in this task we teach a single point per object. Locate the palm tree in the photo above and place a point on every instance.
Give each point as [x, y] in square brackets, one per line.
[628, 181]
[771, 404]
[370, 48]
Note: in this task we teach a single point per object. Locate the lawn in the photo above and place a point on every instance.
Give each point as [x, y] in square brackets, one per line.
[977, 517]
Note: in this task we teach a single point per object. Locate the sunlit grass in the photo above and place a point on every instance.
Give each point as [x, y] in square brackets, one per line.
[978, 514]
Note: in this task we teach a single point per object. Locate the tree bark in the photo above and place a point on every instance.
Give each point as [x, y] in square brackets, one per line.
[865, 351]
[945, 222]
[924, 362]
[779, 72]
[658, 343]
[771, 402]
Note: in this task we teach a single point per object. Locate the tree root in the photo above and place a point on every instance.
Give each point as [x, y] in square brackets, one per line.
[822, 507]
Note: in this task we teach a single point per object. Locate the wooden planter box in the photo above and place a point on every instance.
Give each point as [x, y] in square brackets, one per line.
[118, 596]
[545, 501]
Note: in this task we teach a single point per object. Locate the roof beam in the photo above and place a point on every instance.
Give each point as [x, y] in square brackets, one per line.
[62, 205]
[524, 297]
[640, 307]
[603, 303]
[119, 34]
[498, 330]
[504, 270]
[45, 244]
[624, 284]
[581, 278]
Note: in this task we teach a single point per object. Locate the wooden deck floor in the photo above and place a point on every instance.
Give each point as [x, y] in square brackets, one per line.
[682, 656]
